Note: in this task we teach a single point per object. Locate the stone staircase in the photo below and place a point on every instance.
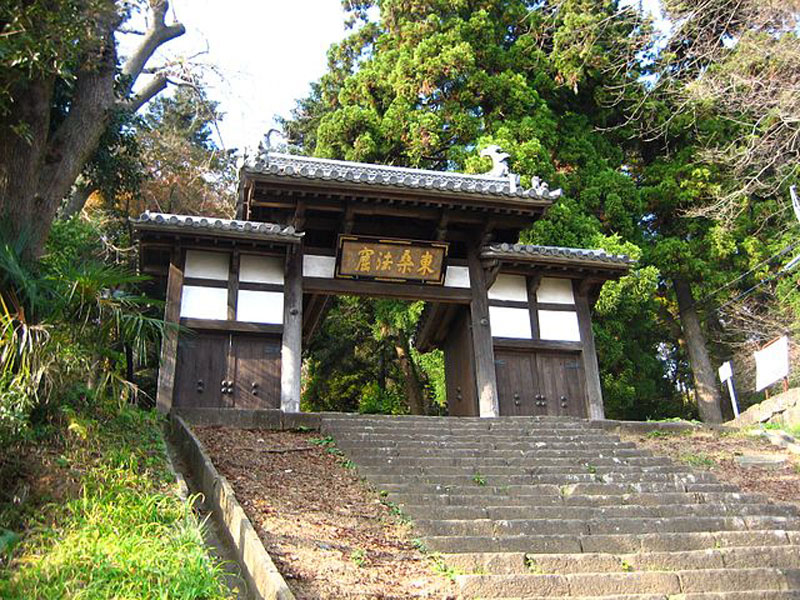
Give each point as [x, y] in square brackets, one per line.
[550, 507]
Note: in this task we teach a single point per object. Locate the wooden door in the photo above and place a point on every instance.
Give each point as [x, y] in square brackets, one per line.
[256, 371]
[200, 370]
[459, 368]
[517, 383]
[561, 383]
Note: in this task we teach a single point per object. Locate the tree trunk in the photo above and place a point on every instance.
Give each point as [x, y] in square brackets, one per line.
[40, 162]
[77, 200]
[23, 145]
[37, 166]
[413, 389]
[705, 380]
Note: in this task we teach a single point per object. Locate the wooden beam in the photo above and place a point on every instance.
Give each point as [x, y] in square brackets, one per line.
[435, 315]
[292, 340]
[169, 341]
[441, 228]
[445, 322]
[594, 393]
[482, 348]
[472, 200]
[492, 271]
[317, 308]
[299, 219]
[236, 326]
[406, 291]
[554, 345]
[348, 219]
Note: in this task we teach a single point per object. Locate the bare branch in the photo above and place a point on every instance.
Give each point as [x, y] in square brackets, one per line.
[153, 88]
[158, 33]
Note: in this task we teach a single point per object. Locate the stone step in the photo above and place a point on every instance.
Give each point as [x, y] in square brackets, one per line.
[552, 461]
[505, 471]
[444, 423]
[443, 438]
[560, 511]
[604, 526]
[401, 447]
[400, 420]
[659, 582]
[612, 543]
[750, 595]
[553, 498]
[452, 454]
[548, 507]
[582, 489]
[460, 477]
[508, 563]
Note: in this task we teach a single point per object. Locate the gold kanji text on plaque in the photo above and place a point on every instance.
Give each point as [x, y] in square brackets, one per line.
[382, 259]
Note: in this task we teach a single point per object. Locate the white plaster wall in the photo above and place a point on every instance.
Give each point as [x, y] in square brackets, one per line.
[319, 266]
[204, 303]
[555, 290]
[509, 287]
[261, 269]
[559, 325]
[207, 265]
[508, 322]
[260, 307]
[457, 277]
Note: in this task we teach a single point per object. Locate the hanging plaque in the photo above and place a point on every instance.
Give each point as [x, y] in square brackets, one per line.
[383, 259]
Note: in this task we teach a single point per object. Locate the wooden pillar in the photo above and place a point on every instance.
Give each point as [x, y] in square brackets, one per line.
[594, 393]
[482, 347]
[292, 341]
[169, 341]
[233, 285]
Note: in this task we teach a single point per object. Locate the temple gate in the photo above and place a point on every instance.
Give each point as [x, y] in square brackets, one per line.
[514, 320]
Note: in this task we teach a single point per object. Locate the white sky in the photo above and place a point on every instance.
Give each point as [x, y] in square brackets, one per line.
[264, 54]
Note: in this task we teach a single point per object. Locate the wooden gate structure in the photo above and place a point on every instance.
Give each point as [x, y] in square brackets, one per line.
[514, 320]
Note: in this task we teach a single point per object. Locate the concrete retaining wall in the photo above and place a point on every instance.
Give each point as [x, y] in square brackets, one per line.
[263, 577]
[249, 419]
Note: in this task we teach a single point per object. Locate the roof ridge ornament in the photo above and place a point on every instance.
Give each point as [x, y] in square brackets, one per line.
[499, 161]
[500, 166]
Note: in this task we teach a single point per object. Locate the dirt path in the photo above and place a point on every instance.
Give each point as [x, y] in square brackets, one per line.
[716, 452]
[330, 536]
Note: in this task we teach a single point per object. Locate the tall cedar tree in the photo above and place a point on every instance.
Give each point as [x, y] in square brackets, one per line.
[433, 81]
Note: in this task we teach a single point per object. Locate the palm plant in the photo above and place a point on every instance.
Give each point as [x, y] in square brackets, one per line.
[67, 322]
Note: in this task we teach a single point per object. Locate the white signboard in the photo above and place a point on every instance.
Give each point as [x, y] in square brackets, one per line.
[725, 371]
[726, 377]
[772, 363]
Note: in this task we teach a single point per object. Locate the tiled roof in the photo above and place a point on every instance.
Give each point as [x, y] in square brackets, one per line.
[533, 252]
[289, 165]
[227, 227]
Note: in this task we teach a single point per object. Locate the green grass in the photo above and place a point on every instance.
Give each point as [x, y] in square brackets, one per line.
[126, 534]
[658, 433]
[359, 557]
[440, 567]
[701, 460]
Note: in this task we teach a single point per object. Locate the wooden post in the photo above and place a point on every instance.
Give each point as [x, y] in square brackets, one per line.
[233, 285]
[594, 393]
[292, 341]
[169, 341]
[482, 346]
[533, 282]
